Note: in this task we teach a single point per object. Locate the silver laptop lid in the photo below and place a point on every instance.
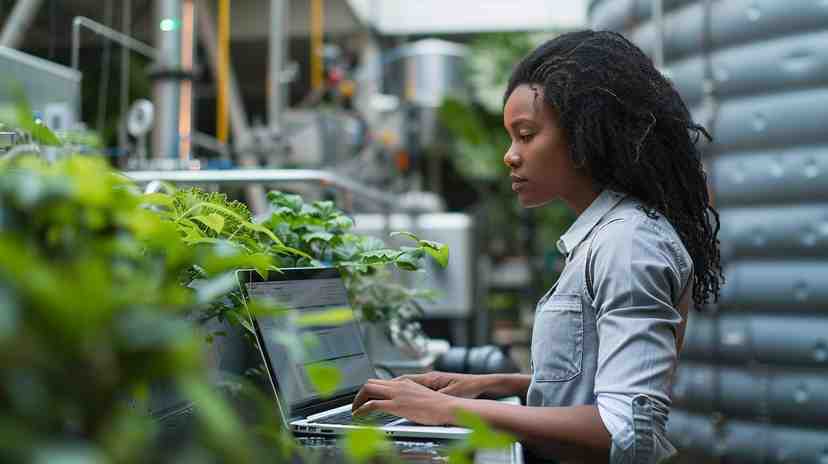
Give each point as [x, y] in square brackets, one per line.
[305, 292]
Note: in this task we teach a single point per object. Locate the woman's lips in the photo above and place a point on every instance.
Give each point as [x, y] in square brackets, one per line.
[517, 182]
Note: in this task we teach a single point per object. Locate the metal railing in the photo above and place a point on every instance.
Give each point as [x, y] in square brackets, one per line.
[111, 34]
[266, 176]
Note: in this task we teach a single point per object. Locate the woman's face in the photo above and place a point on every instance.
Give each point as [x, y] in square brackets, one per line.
[541, 168]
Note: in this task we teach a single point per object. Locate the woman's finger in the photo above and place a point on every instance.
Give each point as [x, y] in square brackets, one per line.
[369, 391]
[371, 406]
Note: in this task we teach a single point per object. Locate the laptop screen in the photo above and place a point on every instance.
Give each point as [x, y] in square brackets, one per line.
[306, 293]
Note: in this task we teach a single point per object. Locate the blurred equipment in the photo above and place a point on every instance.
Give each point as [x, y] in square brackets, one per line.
[420, 74]
[486, 359]
[52, 90]
[752, 383]
[323, 138]
[455, 285]
[140, 119]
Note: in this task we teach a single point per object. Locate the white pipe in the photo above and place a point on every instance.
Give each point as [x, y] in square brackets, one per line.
[19, 20]
[278, 38]
[109, 33]
[658, 21]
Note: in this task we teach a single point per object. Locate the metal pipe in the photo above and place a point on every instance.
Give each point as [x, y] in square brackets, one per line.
[222, 124]
[126, 26]
[279, 34]
[317, 29]
[111, 34]
[108, 33]
[200, 139]
[167, 79]
[105, 67]
[207, 36]
[238, 116]
[265, 176]
[19, 20]
[185, 104]
[658, 19]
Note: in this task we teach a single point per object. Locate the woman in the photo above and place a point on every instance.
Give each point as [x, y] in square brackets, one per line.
[593, 123]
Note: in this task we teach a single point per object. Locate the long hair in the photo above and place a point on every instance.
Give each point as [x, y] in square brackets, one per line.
[629, 129]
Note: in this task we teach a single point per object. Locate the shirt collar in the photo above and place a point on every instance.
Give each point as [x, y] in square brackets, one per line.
[583, 225]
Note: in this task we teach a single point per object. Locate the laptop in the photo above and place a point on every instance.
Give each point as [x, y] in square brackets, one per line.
[305, 292]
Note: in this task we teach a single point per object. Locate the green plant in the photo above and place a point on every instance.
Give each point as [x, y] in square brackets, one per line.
[92, 312]
[99, 286]
[324, 232]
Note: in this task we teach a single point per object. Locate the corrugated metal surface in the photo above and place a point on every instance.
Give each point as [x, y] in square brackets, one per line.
[753, 383]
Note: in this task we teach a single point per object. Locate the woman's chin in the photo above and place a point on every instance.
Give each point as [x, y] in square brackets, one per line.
[531, 202]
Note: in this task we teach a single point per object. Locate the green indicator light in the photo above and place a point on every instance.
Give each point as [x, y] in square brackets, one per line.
[169, 24]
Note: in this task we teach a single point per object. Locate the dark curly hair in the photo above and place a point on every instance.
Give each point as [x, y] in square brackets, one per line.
[630, 130]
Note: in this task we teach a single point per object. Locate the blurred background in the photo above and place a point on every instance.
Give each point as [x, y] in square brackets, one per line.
[394, 110]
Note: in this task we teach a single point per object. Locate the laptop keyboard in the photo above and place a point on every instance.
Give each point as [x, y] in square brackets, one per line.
[345, 418]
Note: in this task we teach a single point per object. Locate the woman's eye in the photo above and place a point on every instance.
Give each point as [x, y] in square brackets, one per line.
[525, 138]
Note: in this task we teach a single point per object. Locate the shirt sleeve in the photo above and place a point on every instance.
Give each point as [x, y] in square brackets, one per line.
[638, 276]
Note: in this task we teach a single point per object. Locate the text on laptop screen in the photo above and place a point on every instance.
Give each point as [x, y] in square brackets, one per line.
[336, 345]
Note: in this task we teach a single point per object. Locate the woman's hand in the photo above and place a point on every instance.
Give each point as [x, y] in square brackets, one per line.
[450, 383]
[405, 398]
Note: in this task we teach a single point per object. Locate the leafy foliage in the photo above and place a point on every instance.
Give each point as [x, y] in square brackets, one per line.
[324, 232]
[364, 444]
[93, 312]
[99, 286]
[481, 437]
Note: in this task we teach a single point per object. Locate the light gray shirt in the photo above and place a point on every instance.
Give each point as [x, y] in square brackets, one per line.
[607, 332]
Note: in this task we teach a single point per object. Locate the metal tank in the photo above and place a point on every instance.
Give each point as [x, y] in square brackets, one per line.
[421, 74]
[752, 384]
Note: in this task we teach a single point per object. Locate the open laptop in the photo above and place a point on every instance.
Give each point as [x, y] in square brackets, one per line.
[304, 292]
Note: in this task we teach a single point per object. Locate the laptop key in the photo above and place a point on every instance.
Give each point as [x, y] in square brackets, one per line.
[345, 418]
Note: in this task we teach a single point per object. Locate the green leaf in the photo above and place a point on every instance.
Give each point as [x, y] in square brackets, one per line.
[362, 444]
[25, 120]
[482, 436]
[213, 220]
[158, 199]
[220, 421]
[242, 321]
[460, 455]
[340, 222]
[262, 230]
[323, 236]
[382, 256]
[438, 251]
[193, 235]
[324, 377]
[411, 259]
[404, 234]
[292, 251]
[324, 208]
[290, 201]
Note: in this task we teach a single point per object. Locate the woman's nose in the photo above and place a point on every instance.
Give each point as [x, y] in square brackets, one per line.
[511, 159]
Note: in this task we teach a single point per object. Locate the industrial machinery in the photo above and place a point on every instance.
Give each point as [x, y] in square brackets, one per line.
[52, 90]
